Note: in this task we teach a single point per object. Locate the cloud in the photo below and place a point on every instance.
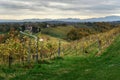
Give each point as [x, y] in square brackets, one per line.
[58, 8]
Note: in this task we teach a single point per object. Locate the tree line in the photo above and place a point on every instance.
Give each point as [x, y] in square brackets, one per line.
[80, 29]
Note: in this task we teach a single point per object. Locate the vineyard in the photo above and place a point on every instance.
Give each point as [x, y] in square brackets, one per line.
[23, 54]
[22, 49]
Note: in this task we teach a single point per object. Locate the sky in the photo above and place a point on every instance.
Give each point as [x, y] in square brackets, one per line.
[54, 9]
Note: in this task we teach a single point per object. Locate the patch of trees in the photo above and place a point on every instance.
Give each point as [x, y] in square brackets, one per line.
[36, 27]
[12, 33]
[89, 28]
[101, 26]
[5, 27]
[75, 34]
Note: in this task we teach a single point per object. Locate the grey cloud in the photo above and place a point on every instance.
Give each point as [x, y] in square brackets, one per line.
[18, 6]
[43, 7]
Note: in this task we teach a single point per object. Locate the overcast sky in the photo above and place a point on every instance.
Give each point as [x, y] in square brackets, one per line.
[26, 9]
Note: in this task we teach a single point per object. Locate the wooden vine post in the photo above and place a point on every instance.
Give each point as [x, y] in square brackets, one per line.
[99, 45]
[59, 48]
[37, 49]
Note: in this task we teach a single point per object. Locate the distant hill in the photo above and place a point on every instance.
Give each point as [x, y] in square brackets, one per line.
[103, 19]
[100, 19]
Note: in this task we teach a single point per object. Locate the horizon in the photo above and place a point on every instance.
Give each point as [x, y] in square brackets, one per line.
[57, 9]
[60, 18]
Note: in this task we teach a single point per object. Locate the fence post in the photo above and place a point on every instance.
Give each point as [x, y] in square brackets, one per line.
[99, 45]
[23, 44]
[29, 50]
[10, 60]
[37, 49]
[76, 47]
[59, 48]
[83, 46]
[41, 45]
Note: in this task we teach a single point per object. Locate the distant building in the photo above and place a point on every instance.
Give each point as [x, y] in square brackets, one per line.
[48, 26]
[30, 28]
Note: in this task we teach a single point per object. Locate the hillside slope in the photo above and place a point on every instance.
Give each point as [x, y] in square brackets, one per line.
[103, 67]
[59, 32]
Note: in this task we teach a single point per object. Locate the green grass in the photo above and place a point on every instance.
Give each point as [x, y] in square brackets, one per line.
[59, 32]
[103, 67]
